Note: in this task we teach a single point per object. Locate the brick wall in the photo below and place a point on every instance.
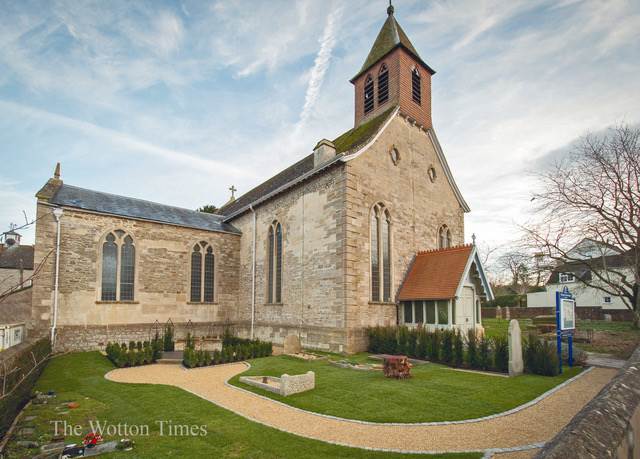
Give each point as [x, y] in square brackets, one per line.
[584, 313]
[400, 65]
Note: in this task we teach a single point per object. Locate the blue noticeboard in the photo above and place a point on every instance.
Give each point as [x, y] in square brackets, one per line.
[565, 322]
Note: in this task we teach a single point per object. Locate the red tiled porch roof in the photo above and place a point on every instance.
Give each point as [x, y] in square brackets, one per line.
[435, 274]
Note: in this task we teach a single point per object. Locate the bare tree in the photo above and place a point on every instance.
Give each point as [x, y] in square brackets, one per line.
[518, 265]
[594, 193]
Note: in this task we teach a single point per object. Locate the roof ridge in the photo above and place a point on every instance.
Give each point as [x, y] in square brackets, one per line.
[136, 199]
[446, 249]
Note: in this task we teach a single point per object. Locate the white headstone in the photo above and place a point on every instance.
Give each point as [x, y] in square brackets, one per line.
[292, 345]
[516, 366]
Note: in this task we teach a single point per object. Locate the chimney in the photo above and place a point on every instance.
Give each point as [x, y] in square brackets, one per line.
[323, 152]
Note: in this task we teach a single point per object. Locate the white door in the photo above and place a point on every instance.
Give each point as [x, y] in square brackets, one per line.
[464, 307]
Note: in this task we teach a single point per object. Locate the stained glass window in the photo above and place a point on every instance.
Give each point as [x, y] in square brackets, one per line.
[127, 269]
[209, 267]
[196, 274]
[109, 268]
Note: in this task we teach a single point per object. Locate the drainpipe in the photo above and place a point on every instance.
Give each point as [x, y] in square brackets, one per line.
[57, 213]
[253, 273]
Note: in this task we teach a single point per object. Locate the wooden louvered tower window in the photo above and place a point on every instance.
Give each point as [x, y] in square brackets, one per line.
[368, 94]
[415, 86]
[383, 85]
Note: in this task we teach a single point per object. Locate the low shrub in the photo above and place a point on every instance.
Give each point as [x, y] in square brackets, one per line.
[450, 347]
[484, 354]
[234, 350]
[447, 347]
[540, 357]
[167, 339]
[501, 354]
[473, 359]
[458, 350]
[123, 355]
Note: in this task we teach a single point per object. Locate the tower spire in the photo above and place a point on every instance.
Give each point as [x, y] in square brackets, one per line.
[390, 9]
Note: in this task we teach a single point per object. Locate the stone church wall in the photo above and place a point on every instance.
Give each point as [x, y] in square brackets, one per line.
[162, 272]
[418, 208]
[312, 218]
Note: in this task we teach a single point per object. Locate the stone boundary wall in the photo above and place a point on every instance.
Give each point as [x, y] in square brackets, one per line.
[294, 384]
[586, 313]
[96, 337]
[285, 385]
[16, 307]
[609, 425]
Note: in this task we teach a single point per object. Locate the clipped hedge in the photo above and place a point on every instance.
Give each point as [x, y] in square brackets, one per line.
[452, 348]
[540, 357]
[23, 367]
[233, 350]
[135, 354]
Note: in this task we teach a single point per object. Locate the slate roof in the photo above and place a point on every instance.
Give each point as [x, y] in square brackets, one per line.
[390, 37]
[435, 274]
[111, 204]
[348, 141]
[10, 257]
[582, 271]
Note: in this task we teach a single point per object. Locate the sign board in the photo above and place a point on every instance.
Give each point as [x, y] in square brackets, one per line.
[565, 322]
[567, 314]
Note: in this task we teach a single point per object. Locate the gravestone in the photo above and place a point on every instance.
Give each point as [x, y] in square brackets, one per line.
[516, 365]
[292, 345]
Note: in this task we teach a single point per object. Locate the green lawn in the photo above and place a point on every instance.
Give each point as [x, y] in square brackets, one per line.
[434, 393]
[616, 338]
[80, 377]
[499, 327]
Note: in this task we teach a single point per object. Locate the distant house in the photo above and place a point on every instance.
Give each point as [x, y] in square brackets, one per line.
[16, 262]
[573, 274]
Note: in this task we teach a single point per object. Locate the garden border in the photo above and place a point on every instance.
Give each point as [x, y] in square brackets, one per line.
[530, 403]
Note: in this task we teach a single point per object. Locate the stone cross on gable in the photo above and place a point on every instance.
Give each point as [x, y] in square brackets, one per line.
[233, 190]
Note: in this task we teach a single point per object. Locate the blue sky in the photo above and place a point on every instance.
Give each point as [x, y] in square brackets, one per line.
[176, 101]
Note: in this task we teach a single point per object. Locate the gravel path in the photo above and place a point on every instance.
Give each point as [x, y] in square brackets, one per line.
[534, 424]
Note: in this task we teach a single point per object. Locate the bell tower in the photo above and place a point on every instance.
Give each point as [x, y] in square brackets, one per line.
[393, 74]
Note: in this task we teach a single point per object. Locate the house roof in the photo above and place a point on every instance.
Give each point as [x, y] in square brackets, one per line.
[111, 204]
[17, 256]
[436, 274]
[390, 37]
[347, 141]
[582, 269]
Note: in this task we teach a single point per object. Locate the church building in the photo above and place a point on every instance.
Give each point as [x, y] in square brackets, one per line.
[366, 230]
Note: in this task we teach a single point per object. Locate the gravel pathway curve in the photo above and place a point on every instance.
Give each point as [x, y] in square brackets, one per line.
[534, 424]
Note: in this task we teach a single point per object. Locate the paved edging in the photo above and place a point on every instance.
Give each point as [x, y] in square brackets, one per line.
[530, 403]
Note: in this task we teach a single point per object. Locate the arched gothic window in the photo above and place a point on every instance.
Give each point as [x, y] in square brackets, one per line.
[202, 273]
[118, 267]
[368, 94]
[380, 253]
[274, 289]
[415, 86]
[383, 84]
[444, 237]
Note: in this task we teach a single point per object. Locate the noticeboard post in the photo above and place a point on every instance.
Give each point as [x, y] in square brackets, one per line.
[565, 322]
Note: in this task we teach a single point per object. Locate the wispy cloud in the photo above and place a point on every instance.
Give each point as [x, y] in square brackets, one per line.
[321, 63]
[128, 142]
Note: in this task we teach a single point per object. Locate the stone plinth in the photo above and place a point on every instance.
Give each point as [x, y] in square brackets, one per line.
[516, 365]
